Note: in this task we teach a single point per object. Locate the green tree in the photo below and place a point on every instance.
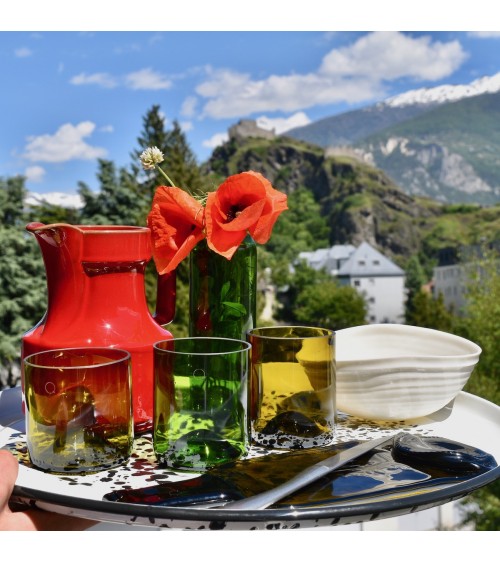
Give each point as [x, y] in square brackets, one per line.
[181, 166]
[153, 134]
[300, 228]
[180, 162]
[49, 213]
[430, 312]
[118, 201]
[482, 310]
[480, 323]
[315, 298]
[12, 195]
[415, 279]
[330, 305]
[22, 295]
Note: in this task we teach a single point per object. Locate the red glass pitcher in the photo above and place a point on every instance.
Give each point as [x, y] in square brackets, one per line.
[96, 297]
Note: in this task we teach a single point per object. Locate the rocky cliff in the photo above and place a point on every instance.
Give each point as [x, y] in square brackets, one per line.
[440, 142]
[360, 201]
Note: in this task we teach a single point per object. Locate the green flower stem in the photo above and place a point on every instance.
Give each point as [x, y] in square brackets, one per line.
[165, 176]
[223, 293]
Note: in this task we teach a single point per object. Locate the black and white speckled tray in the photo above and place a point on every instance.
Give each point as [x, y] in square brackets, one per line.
[469, 420]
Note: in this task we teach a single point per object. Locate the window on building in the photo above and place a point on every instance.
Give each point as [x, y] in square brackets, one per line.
[357, 283]
[361, 262]
[376, 262]
[372, 300]
[372, 318]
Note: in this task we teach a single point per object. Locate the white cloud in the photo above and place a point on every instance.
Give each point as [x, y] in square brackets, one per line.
[485, 34]
[144, 79]
[230, 97]
[189, 106]
[106, 129]
[67, 143]
[99, 78]
[186, 126]
[216, 140]
[55, 198]
[147, 79]
[388, 55]
[23, 52]
[355, 73]
[34, 173]
[282, 124]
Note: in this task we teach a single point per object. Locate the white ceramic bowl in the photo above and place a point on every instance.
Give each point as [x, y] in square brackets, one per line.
[400, 372]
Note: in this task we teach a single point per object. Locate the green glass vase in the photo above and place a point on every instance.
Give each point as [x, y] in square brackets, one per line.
[222, 292]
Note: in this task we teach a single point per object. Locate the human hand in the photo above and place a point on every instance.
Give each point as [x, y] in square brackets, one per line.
[30, 519]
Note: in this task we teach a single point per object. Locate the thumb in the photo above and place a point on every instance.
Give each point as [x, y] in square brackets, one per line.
[9, 469]
[32, 519]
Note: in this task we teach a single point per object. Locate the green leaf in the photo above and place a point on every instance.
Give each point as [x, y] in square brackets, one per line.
[225, 290]
[231, 310]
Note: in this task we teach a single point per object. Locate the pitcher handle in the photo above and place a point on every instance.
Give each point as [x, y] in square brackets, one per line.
[165, 298]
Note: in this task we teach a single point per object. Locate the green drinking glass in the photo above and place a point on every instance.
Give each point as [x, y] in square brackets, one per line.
[222, 292]
[200, 402]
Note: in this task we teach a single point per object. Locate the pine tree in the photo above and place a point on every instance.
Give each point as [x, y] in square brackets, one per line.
[181, 166]
[153, 134]
[118, 201]
[49, 213]
[180, 163]
[12, 195]
[22, 278]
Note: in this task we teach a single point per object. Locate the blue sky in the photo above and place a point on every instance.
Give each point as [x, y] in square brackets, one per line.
[68, 98]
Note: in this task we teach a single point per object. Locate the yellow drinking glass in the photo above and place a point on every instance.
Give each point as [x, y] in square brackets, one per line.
[292, 386]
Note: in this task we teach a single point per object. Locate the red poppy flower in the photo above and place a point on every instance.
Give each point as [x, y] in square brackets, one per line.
[244, 203]
[176, 223]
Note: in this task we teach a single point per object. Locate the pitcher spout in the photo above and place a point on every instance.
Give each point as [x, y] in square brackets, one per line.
[61, 248]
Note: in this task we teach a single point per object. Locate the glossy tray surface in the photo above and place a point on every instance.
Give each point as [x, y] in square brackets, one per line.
[469, 420]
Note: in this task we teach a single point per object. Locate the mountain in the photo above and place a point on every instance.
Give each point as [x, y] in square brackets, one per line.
[446, 93]
[449, 153]
[360, 202]
[439, 142]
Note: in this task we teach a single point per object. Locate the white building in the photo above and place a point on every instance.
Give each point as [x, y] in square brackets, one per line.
[374, 276]
[454, 281]
[329, 259]
[451, 281]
